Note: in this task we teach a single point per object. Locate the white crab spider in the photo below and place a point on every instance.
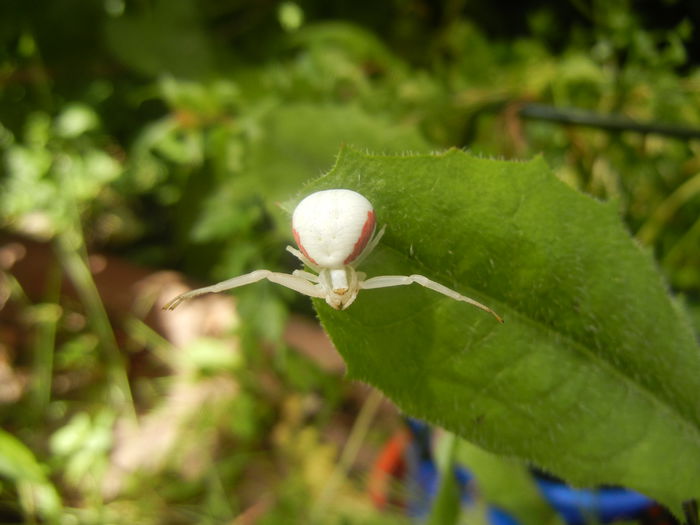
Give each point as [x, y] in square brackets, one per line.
[335, 231]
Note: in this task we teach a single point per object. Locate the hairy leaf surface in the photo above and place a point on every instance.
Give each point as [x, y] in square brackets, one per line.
[594, 375]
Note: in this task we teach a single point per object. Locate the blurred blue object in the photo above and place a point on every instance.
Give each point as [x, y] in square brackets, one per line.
[575, 506]
[426, 478]
[581, 506]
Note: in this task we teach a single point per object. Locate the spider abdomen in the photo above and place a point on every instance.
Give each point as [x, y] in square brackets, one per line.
[332, 227]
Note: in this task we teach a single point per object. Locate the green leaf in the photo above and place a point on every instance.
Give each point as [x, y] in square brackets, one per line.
[75, 120]
[163, 37]
[595, 373]
[18, 463]
[300, 139]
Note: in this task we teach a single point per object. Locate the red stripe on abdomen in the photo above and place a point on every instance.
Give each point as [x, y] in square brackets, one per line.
[301, 246]
[367, 229]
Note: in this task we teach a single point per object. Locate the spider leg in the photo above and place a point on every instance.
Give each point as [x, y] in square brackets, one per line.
[296, 253]
[371, 245]
[306, 275]
[296, 283]
[386, 281]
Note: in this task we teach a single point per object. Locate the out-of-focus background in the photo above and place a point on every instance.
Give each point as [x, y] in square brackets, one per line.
[146, 145]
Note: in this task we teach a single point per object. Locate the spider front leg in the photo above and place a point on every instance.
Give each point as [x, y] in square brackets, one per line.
[306, 275]
[296, 253]
[386, 281]
[294, 282]
[371, 245]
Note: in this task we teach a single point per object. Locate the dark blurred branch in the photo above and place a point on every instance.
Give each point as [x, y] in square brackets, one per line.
[590, 119]
[690, 509]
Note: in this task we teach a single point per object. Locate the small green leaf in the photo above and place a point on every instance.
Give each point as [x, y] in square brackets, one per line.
[595, 373]
[300, 139]
[18, 463]
[76, 119]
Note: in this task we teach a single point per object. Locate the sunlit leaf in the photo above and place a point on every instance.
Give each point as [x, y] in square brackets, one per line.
[17, 461]
[76, 119]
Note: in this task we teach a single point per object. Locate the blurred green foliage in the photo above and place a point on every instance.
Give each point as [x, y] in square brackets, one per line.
[166, 132]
